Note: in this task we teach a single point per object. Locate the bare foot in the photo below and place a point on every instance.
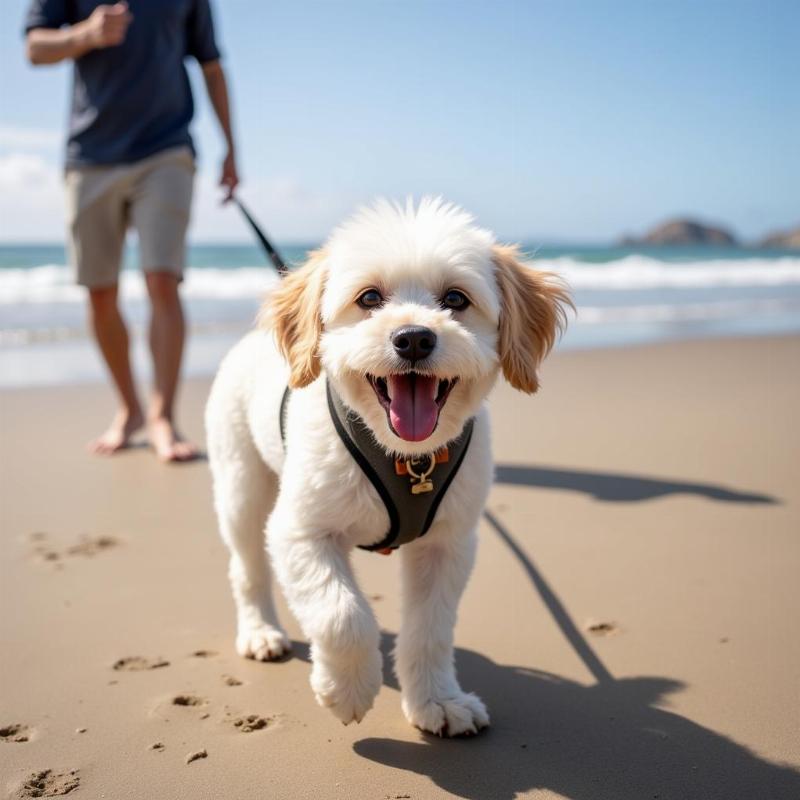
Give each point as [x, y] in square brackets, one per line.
[118, 435]
[168, 443]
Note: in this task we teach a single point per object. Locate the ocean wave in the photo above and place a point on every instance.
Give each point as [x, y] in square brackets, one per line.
[53, 283]
[684, 312]
[16, 337]
[653, 313]
[641, 272]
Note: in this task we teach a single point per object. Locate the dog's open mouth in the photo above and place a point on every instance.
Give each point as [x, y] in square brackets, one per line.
[412, 402]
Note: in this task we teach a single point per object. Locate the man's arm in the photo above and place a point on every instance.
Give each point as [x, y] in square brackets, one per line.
[218, 94]
[106, 27]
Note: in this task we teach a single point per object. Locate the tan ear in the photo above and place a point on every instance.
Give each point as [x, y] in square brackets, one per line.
[293, 313]
[532, 315]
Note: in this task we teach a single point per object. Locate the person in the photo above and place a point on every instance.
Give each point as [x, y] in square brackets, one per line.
[130, 162]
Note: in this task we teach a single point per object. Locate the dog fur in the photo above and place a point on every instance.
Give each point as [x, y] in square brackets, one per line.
[313, 498]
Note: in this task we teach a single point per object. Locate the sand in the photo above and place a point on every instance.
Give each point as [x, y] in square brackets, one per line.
[632, 622]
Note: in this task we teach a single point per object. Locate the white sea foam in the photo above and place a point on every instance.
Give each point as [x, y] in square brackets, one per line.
[642, 272]
[684, 312]
[54, 283]
[654, 313]
[15, 337]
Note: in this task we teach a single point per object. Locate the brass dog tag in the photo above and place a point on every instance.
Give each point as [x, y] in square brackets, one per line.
[423, 484]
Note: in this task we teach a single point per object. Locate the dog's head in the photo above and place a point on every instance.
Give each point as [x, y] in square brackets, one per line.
[411, 312]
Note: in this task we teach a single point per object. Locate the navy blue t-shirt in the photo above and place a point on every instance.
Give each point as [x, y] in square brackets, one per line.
[132, 100]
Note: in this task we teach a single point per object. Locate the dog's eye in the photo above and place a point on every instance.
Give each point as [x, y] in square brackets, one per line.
[455, 300]
[370, 299]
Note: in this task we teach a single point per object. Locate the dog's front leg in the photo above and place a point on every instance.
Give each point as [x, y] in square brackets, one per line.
[318, 581]
[435, 572]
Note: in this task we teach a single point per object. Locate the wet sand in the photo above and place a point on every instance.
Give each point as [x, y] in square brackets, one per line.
[631, 623]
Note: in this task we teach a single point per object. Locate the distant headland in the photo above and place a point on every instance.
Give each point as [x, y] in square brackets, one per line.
[789, 240]
[685, 231]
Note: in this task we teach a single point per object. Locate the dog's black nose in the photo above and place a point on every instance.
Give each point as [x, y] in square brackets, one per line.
[414, 342]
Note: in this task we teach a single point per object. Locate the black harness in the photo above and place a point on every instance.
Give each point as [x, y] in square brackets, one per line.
[412, 489]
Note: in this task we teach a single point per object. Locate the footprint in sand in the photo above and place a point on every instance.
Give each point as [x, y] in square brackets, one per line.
[602, 628]
[138, 664]
[15, 733]
[196, 756]
[87, 547]
[185, 704]
[249, 723]
[204, 653]
[49, 784]
[41, 548]
[191, 700]
[230, 680]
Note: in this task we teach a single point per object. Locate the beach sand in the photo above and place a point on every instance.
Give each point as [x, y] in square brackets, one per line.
[632, 622]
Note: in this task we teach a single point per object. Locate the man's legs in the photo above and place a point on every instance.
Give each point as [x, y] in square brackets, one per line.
[167, 333]
[112, 339]
[97, 217]
[160, 204]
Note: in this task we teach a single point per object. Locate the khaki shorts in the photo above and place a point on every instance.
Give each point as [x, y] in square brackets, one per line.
[153, 195]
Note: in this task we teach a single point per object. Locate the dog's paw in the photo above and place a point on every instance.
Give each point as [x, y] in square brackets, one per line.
[348, 689]
[462, 715]
[265, 643]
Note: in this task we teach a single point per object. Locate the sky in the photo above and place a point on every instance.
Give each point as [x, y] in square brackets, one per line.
[550, 121]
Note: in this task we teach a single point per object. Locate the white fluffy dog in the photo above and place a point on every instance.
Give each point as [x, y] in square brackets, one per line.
[407, 316]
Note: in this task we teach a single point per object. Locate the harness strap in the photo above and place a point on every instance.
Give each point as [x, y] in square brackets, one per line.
[410, 515]
[371, 474]
[282, 419]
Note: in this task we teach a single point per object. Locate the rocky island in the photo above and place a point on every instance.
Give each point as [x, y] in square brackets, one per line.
[683, 232]
[788, 240]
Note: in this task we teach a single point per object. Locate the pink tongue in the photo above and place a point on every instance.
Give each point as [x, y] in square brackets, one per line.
[413, 411]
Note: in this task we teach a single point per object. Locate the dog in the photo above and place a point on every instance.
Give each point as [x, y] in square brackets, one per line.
[398, 327]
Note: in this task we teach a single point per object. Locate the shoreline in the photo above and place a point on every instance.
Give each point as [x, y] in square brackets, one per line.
[630, 621]
[79, 363]
[621, 297]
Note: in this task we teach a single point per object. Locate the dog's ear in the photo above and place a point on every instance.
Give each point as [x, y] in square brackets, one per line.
[293, 313]
[532, 315]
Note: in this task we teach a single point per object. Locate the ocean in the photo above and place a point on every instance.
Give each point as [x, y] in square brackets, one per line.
[624, 296]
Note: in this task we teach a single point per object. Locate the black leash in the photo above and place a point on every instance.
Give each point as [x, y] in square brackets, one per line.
[271, 252]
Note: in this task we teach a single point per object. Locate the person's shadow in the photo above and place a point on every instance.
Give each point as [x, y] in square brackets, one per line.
[610, 740]
[618, 487]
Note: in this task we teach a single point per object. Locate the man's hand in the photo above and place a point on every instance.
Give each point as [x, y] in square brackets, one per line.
[230, 177]
[107, 25]
[218, 94]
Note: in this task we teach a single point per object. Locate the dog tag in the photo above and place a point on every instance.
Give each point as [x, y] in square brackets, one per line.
[423, 483]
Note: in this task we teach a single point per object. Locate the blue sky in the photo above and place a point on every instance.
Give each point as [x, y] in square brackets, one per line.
[551, 121]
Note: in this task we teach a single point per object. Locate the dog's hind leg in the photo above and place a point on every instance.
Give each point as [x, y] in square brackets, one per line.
[434, 573]
[244, 493]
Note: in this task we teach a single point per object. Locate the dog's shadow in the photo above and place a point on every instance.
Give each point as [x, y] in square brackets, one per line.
[587, 742]
[612, 739]
[607, 740]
